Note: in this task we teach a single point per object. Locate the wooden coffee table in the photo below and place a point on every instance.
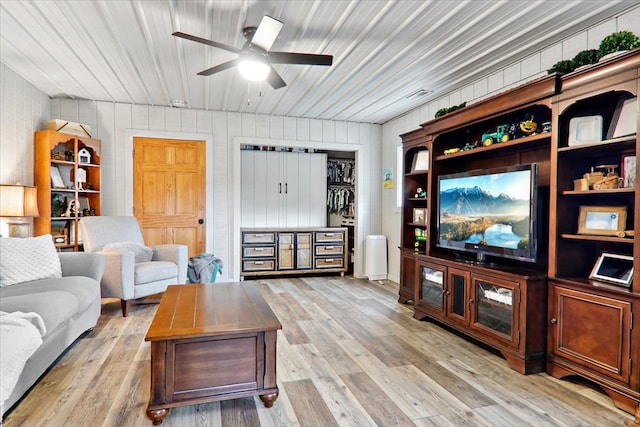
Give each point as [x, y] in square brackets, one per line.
[211, 342]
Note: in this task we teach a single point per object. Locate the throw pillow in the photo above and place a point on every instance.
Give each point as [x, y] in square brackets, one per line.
[142, 253]
[26, 259]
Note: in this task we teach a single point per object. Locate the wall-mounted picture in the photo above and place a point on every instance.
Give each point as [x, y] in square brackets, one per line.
[629, 171]
[602, 220]
[419, 216]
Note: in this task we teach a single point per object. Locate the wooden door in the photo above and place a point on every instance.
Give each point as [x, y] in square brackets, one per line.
[169, 191]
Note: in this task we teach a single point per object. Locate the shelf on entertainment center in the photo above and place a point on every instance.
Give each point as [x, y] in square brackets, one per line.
[596, 284]
[588, 192]
[540, 137]
[601, 145]
[613, 239]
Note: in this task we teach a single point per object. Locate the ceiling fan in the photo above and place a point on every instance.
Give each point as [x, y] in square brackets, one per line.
[255, 59]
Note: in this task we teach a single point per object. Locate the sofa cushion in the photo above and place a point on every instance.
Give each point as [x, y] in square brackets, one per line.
[142, 253]
[82, 290]
[153, 271]
[55, 307]
[26, 259]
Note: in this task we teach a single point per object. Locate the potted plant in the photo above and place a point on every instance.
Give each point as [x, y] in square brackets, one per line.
[585, 57]
[562, 66]
[618, 41]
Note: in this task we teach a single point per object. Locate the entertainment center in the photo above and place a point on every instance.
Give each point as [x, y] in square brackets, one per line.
[521, 200]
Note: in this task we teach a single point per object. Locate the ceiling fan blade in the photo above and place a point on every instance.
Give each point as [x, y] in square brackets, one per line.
[300, 58]
[206, 41]
[267, 32]
[274, 79]
[218, 68]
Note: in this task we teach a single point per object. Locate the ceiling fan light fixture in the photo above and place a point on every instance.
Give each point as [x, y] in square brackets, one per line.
[253, 70]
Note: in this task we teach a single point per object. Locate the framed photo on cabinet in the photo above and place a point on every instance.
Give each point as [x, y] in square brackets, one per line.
[629, 171]
[56, 178]
[613, 268]
[419, 216]
[420, 161]
[625, 118]
[602, 220]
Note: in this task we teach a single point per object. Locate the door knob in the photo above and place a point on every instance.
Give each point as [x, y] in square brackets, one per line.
[201, 221]
[554, 321]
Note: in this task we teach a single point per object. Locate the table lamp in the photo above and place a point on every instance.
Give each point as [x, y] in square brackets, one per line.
[18, 201]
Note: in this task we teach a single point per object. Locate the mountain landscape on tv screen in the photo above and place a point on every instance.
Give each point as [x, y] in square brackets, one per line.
[474, 215]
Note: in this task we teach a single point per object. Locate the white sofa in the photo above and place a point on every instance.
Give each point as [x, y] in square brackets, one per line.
[66, 297]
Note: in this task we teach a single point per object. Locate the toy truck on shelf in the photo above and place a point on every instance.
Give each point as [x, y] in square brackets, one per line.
[500, 135]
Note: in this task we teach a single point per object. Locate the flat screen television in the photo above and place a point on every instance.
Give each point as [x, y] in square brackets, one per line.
[489, 212]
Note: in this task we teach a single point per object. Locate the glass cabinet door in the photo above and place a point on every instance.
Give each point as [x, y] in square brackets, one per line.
[457, 297]
[495, 307]
[432, 287]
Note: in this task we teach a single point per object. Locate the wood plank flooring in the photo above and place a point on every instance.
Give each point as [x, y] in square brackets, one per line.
[348, 355]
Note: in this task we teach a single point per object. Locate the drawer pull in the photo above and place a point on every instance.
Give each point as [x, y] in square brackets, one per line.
[258, 249]
[328, 260]
[259, 235]
[328, 247]
[329, 234]
[259, 263]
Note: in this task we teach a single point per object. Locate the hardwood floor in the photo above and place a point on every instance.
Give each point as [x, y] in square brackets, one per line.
[348, 355]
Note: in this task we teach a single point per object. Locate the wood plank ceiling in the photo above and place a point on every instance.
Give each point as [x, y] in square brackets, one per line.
[123, 51]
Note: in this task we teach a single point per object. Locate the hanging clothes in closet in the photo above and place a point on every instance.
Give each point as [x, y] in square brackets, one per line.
[341, 177]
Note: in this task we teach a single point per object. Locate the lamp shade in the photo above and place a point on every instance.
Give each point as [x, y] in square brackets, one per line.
[18, 201]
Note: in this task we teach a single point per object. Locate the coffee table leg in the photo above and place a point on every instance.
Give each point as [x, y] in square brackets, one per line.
[157, 415]
[269, 399]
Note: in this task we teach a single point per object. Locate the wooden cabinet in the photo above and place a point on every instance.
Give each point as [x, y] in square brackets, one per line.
[590, 334]
[590, 322]
[67, 174]
[502, 309]
[293, 251]
[501, 302]
[283, 189]
[408, 280]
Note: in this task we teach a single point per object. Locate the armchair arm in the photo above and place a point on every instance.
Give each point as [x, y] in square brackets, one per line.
[87, 264]
[173, 253]
[118, 278]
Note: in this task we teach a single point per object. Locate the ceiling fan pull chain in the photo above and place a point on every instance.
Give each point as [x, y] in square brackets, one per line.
[248, 94]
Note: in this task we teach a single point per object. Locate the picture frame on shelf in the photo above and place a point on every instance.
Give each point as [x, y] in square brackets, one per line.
[56, 177]
[60, 232]
[625, 118]
[585, 130]
[419, 216]
[420, 161]
[613, 268]
[602, 220]
[628, 171]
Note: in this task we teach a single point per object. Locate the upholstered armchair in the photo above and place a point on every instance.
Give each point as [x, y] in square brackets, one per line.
[132, 270]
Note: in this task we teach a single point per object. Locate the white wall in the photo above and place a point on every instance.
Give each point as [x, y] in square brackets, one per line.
[116, 124]
[511, 76]
[23, 108]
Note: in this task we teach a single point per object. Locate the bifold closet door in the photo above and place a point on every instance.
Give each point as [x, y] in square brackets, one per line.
[283, 189]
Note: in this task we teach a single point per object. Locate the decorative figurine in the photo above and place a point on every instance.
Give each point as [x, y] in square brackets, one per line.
[500, 135]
